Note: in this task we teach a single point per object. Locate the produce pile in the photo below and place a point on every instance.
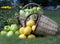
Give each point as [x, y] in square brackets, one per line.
[26, 31]
[9, 31]
[27, 11]
[22, 32]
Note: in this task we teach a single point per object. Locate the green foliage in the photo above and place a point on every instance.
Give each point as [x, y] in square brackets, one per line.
[8, 16]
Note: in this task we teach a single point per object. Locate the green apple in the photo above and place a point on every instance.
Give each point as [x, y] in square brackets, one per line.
[3, 33]
[31, 10]
[6, 28]
[26, 10]
[35, 8]
[22, 13]
[14, 27]
[38, 8]
[17, 33]
[26, 14]
[10, 33]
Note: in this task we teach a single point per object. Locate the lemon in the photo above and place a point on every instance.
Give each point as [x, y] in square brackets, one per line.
[33, 27]
[30, 23]
[31, 36]
[21, 30]
[22, 36]
[27, 30]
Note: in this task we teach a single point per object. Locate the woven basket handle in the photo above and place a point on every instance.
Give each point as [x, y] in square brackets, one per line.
[29, 16]
[30, 4]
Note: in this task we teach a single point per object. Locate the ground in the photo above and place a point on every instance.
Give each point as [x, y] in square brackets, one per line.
[55, 15]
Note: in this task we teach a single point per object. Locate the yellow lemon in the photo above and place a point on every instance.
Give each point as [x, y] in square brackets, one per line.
[21, 30]
[22, 36]
[33, 27]
[30, 23]
[27, 30]
[31, 36]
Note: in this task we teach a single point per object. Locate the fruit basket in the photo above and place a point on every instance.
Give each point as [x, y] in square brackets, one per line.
[44, 25]
[29, 9]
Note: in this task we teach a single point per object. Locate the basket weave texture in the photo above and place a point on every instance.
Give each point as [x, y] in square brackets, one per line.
[44, 25]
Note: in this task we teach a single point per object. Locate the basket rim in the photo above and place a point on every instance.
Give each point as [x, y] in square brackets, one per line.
[31, 4]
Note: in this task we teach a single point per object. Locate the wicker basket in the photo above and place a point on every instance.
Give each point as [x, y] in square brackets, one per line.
[21, 19]
[44, 25]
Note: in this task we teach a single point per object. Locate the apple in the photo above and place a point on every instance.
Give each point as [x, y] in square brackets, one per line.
[21, 30]
[38, 8]
[31, 10]
[33, 27]
[10, 33]
[14, 27]
[31, 36]
[34, 9]
[26, 10]
[27, 13]
[27, 30]
[30, 23]
[22, 36]
[3, 33]
[7, 28]
[17, 33]
[22, 13]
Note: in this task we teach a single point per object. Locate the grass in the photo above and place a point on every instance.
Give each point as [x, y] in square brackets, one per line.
[39, 40]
